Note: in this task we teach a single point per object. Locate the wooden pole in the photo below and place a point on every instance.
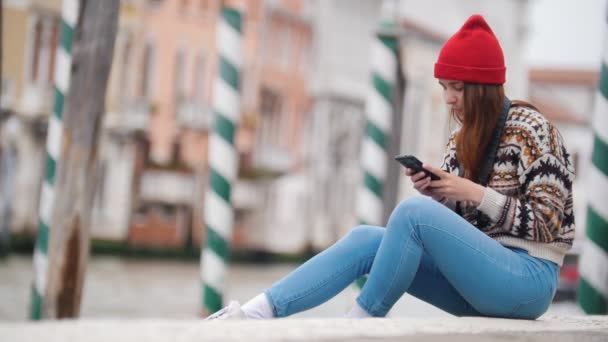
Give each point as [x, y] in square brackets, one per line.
[3, 234]
[76, 178]
[1, 41]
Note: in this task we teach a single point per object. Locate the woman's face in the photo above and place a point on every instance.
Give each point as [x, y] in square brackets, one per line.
[453, 95]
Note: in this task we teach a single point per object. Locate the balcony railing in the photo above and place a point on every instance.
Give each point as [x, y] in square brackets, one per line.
[247, 194]
[272, 158]
[192, 115]
[36, 101]
[167, 187]
[133, 117]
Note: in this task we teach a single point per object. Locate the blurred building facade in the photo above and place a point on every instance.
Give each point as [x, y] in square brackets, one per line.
[30, 35]
[305, 78]
[170, 59]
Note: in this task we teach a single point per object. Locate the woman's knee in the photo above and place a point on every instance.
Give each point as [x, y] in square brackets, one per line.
[416, 205]
[363, 235]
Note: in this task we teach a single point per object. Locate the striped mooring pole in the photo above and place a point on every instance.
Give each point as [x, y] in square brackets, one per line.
[223, 160]
[593, 264]
[63, 66]
[379, 120]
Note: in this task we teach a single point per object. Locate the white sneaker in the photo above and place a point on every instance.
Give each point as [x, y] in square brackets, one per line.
[232, 311]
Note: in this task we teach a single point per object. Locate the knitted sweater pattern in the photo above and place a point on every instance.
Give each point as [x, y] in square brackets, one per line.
[528, 200]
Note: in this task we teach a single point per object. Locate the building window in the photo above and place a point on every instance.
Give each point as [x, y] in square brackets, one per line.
[176, 153]
[179, 85]
[199, 81]
[37, 47]
[44, 42]
[249, 89]
[147, 72]
[270, 129]
[284, 46]
[124, 85]
[101, 183]
[53, 50]
[266, 40]
[305, 54]
[44, 39]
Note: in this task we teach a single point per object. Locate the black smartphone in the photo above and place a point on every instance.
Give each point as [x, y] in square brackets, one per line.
[416, 165]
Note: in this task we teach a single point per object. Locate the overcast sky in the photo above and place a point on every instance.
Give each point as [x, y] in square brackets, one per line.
[567, 33]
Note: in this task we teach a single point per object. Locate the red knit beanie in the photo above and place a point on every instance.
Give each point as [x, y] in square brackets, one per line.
[472, 54]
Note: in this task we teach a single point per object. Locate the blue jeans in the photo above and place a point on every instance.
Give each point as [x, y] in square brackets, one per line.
[430, 252]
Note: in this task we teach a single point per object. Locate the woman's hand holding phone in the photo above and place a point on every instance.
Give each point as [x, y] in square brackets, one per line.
[422, 183]
[449, 186]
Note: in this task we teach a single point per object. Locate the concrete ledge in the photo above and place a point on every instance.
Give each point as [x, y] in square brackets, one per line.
[553, 329]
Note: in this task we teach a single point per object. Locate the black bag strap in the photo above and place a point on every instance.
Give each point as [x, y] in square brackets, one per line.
[491, 150]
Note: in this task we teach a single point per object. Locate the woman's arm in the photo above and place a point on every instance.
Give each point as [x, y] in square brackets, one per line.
[544, 203]
[545, 177]
[539, 212]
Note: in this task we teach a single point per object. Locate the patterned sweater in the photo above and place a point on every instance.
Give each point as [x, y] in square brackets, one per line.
[528, 200]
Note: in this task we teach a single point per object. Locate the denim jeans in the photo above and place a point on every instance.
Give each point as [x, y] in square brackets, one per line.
[430, 252]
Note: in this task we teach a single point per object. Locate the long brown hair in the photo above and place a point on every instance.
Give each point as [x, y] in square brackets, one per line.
[482, 106]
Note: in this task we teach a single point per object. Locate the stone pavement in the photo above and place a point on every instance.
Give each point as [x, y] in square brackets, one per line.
[548, 328]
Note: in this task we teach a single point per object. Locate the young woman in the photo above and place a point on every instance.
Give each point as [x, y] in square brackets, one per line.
[487, 239]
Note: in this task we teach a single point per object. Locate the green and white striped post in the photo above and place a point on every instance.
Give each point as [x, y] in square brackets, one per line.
[63, 66]
[379, 119]
[223, 160]
[593, 265]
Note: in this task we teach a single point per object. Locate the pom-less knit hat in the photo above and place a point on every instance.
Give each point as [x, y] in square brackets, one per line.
[472, 54]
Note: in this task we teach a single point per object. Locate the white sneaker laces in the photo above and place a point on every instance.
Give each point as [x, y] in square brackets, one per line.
[231, 311]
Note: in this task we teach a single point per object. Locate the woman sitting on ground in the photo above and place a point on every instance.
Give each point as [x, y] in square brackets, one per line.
[476, 244]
